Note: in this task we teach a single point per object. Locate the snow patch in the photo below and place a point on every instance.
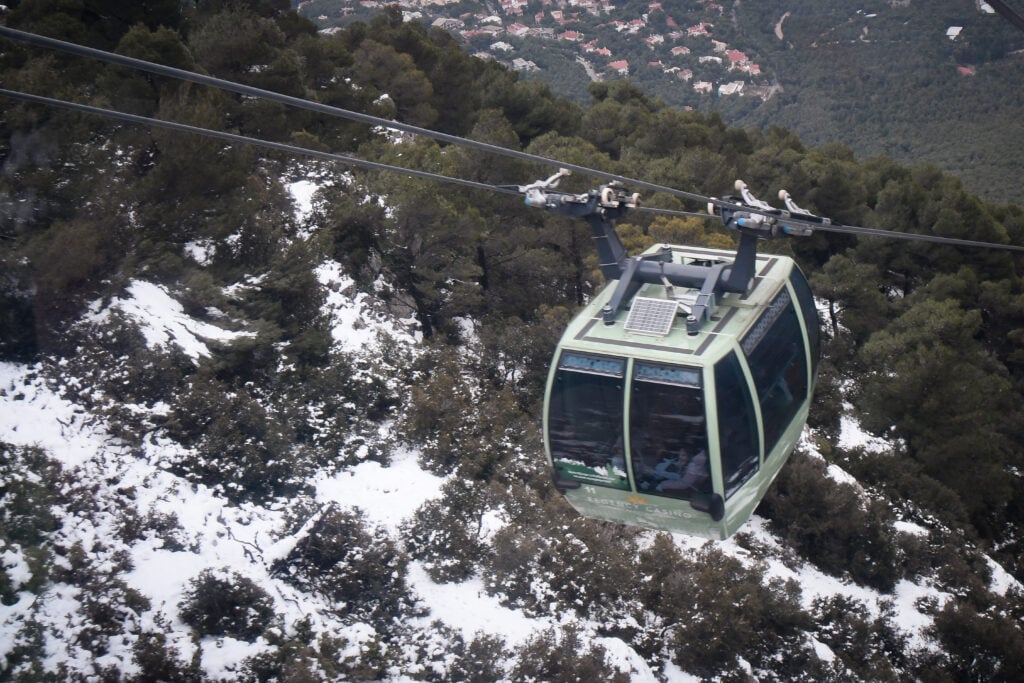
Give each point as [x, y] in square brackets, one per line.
[163, 320]
[1002, 581]
[910, 528]
[356, 325]
[467, 607]
[302, 192]
[388, 495]
[853, 436]
[33, 415]
[201, 251]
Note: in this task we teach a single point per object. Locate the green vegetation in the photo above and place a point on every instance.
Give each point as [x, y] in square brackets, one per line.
[924, 340]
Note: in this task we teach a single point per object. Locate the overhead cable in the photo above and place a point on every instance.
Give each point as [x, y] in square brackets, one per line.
[232, 137]
[231, 86]
[143, 65]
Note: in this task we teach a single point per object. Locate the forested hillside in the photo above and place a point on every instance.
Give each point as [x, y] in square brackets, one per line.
[259, 413]
[937, 82]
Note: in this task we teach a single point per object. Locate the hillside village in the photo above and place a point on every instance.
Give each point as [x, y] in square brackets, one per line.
[608, 41]
[687, 53]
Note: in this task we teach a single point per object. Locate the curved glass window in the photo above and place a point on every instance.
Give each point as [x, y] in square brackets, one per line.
[668, 431]
[585, 420]
[778, 362]
[810, 312]
[737, 427]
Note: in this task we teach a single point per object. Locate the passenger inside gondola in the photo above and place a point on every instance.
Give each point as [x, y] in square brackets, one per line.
[687, 472]
[668, 434]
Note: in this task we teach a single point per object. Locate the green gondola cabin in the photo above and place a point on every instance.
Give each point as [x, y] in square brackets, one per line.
[676, 395]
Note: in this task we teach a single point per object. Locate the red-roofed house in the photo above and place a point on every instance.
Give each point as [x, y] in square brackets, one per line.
[737, 57]
[700, 29]
[621, 67]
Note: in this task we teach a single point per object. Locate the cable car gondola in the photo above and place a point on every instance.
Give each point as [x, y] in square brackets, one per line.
[678, 393]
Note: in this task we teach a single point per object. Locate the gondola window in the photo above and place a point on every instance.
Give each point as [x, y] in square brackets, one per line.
[737, 429]
[778, 362]
[668, 431]
[585, 420]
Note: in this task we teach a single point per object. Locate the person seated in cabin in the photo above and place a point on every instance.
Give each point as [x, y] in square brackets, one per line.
[687, 471]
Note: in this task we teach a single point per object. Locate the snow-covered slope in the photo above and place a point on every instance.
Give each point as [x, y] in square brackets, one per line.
[130, 535]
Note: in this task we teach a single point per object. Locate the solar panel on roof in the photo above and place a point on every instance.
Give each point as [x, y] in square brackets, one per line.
[651, 316]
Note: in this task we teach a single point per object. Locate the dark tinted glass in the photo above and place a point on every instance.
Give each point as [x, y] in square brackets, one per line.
[810, 313]
[737, 428]
[777, 359]
[668, 431]
[585, 420]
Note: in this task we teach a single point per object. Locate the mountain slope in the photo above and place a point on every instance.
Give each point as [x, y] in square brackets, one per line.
[137, 539]
[264, 418]
[938, 82]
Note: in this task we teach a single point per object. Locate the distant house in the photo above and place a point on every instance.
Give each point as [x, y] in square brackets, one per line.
[734, 88]
[502, 46]
[571, 36]
[448, 23]
[680, 50]
[736, 57]
[703, 86]
[700, 29]
[709, 58]
[953, 32]
[518, 30]
[520, 64]
[656, 39]
[620, 67]
[512, 7]
[719, 46]
[684, 74]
